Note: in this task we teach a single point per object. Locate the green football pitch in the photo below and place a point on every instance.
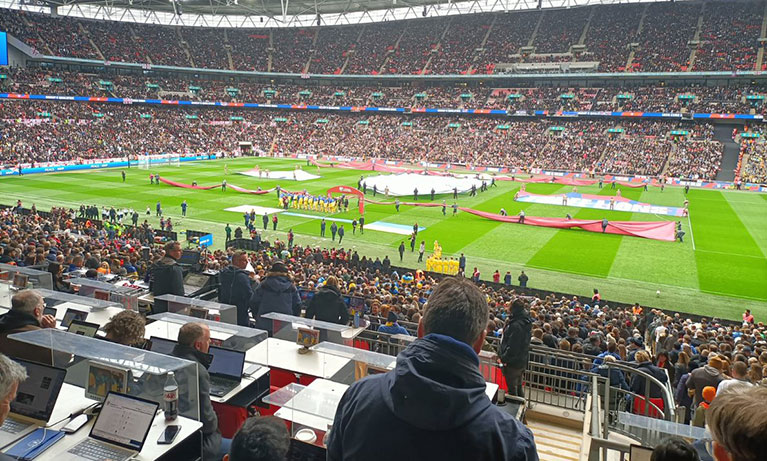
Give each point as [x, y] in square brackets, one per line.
[719, 270]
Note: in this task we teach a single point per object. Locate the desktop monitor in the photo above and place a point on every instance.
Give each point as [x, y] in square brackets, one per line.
[198, 312]
[20, 280]
[189, 257]
[226, 362]
[640, 453]
[162, 345]
[103, 379]
[124, 420]
[306, 295]
[37, 394]
[100, 294]
[5, 275]
[358, 304]
[73, 314]
[79, 327]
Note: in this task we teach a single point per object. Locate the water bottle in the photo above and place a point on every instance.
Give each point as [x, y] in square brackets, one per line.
[356, 319]
[170, 395]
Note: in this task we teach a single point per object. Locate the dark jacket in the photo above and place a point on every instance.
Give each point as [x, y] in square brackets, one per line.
[275, 294]
[211, 437]
[515, 343]
[167, 278]
[702, 377]
[16, 322]
[236, 289]
[432, 406]
[638, 382]
[328, 306]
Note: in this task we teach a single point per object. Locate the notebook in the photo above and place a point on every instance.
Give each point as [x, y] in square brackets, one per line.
[225, 370]
[35, 400]
[119, 432]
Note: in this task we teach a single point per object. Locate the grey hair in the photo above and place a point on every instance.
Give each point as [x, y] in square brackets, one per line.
[10, 373]
[456, 308]
[26, 301]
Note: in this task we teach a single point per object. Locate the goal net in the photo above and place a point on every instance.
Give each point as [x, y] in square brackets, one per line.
[143, 162]
[174, 160]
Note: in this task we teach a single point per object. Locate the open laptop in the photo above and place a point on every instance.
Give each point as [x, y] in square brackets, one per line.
[119, 432]
[162, 345]
[640, 453]
[35, 400]
[79, 327]
[103, 378]
[73, 314]
[225, 370]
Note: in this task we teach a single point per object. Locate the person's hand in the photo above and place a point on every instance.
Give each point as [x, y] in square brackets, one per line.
[48, 321]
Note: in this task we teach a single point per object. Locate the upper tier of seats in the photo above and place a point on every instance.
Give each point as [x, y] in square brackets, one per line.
[650, 37]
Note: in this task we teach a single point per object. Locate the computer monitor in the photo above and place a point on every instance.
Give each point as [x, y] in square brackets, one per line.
[124, 420]
[195, 280]
[226, 362]
[79, 327]
[20, 280]
[103, 379]
[640, 453]
[189, 257]
[37, 394]
[306, 295]
[162, 345]
[101, 294]
[5, 275]
[357, 303]
[198, 312]
[73, 314]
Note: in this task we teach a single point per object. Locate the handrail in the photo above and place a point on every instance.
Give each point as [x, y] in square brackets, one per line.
[623, 367]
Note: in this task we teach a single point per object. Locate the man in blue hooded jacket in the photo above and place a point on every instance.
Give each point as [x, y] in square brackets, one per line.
[276, 293]
[433, 404]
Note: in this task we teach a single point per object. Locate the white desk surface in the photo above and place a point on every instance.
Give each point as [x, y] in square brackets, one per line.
[169, 330]
[72, 399]
[307, 419]
[278, 353]
[100, 316]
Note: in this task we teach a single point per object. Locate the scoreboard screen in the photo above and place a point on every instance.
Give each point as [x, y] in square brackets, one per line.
[3, 49]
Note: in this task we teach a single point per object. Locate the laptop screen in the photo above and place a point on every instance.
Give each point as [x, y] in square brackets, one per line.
[79, 327]
[226, 362]
[103, 379]
[640, 453]
[162, 345]
[37, 395]
[73, 314]
[124, 421]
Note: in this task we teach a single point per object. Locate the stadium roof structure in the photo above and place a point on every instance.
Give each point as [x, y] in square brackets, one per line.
[282, 13]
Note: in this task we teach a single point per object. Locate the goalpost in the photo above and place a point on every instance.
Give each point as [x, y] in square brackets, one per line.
[143, 162]
[174, 160]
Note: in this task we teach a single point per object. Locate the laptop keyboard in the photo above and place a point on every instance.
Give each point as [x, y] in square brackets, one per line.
[13, 427]
[96, 451]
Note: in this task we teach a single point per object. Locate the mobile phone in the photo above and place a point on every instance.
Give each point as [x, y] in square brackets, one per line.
[169, 435]
[49, 311]
[75, 424]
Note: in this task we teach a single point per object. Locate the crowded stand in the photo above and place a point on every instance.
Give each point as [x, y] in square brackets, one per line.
[559, 30]
[292, 49]
[728, 41]
[611, 30]
[664, 36]
[455, 364]
[460, 41]
[414, 47]
[692, 98]
[729, 37]
[49, 131]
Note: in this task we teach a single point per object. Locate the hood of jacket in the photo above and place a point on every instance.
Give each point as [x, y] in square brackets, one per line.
[190, 353]
[711, 371]
[436, 384]
[13, 320]
[277, 283]
[165, 264]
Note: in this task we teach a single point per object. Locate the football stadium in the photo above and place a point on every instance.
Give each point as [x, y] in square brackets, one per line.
[265, 230]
